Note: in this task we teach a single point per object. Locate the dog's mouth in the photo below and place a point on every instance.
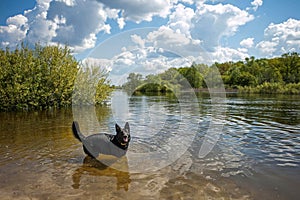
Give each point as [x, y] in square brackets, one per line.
[125, 138]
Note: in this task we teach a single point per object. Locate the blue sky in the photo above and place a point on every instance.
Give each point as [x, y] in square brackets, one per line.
[122, 34]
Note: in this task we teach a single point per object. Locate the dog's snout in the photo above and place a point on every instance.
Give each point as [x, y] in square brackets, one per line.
[125, 138]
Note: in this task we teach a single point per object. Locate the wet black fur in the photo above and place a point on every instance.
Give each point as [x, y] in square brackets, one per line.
[103, 143]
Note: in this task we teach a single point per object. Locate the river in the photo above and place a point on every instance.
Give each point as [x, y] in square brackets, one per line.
[254, 154]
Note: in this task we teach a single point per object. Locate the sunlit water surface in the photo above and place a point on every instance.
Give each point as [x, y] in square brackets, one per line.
[257, 155]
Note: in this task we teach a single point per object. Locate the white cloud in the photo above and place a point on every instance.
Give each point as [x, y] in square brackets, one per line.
[68, 2]
[280, 38]
[138, 40]
[83, 21]
[178, 36]
[180, 19]
[111, 13]
[147, 60]
[212, 22]
[256, 4]
[196, 33]
[125, 58]
[225, 54]
[267, 48]
[140, 10]
[188, 1]
[18, 20]
[168, 39]
[121, 22]
[41, 30]
[247, 43]
[42, 4]
[15, 30]
[72, 22]
[191, 31]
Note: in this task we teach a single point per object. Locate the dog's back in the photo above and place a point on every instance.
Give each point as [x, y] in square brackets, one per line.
[101, 144]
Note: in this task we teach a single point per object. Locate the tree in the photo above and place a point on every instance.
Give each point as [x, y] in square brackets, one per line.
[192, 75]
[133, 81]
[290, 67]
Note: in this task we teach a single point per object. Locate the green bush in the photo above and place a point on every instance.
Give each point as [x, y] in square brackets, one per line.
[38, 78]
[272, 88]
[91, 86]
[153, 87]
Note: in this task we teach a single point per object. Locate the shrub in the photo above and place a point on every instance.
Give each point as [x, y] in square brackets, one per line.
[91, 86]
[272, 88]
[38, 78]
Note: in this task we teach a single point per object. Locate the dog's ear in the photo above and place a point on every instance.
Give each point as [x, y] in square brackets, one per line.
[126, 127]
[118, 129]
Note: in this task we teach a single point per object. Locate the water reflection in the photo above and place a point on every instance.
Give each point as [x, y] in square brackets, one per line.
[93, 167]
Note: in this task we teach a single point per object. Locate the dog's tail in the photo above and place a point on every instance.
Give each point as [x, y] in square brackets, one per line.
[76, 131]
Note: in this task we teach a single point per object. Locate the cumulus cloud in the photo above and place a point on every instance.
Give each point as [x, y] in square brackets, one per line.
[280, 38]
[171, 40]
[17, 20]
[138, 40]
[212, 22]
[140, 10]
[193, 29]
[83, 21]
[197, 32]
[121, 22]
[256, 4]
[167, 38]
[38, 29]
[72, 22]
[189, 1]
[180, 19]
[247, 43]
[15, 30]
[267, 48]
[180, 41]
[77, 23]
[68, 2]
[148, 60]
[225, 54]
[191, 34]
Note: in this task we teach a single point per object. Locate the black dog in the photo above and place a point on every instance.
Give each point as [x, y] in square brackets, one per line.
[103, 143]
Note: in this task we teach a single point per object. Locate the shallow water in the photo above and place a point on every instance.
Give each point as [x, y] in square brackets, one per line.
[256, 156]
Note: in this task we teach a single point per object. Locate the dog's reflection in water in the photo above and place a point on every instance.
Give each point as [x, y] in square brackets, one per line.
[93, 167]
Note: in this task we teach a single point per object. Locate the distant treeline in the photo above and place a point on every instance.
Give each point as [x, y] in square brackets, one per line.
[40, 78]
[273, 75]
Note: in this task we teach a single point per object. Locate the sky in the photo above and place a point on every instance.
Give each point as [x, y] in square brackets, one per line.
[150, 36]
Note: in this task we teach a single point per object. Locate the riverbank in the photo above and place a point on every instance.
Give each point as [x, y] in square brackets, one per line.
[265, 88]
[272, 88]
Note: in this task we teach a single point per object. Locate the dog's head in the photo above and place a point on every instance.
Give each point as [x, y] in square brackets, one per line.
[123, 135]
